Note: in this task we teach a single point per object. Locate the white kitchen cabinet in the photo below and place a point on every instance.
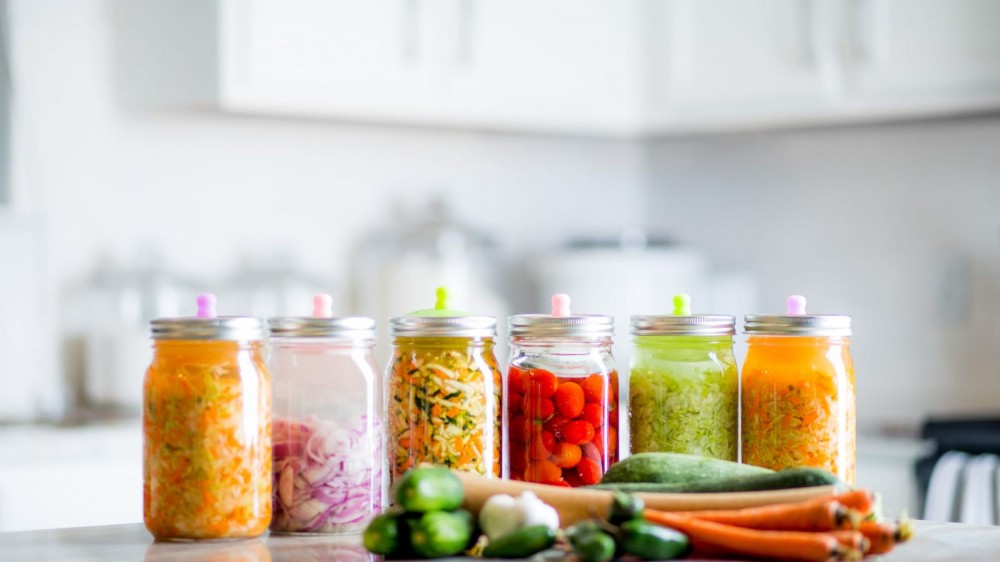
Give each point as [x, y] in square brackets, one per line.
[566, 65]
[913, 56]
[626, 68]
[355, 60]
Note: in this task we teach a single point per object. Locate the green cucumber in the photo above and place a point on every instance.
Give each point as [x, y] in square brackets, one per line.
[781, 480]
[388, 534]
[624, 507]
[647, 541]
[522, 543]
[592, 545]
[676, 468]
[441, 533]
[429, 489]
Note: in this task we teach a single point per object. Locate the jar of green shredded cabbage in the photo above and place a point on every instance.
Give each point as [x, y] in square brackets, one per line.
[684, 386]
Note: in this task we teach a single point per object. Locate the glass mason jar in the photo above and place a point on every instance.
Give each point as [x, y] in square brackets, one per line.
[328, 462]
[684, 386]
[443, 394]
[561, 399]
[798, 396]
[207, 430]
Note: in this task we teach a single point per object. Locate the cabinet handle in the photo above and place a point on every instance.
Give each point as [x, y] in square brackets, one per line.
[870, 31]
[410, 43]
[465, 54]
[823, 29]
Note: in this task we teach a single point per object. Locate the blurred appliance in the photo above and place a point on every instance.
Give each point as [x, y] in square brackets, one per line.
[29, 367]
[636, 274]
[959, 479]
[119, 302]
[398, 269]
[273, 285]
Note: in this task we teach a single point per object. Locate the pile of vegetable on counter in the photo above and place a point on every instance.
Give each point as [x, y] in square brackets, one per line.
[651, 506]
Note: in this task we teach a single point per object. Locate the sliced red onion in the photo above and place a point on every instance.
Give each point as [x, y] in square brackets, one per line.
[323, 479]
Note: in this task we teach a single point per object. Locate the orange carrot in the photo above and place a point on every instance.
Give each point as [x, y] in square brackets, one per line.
[780, 545]
[854, 540]
[884, 536]
[824, 514]
[860, 500]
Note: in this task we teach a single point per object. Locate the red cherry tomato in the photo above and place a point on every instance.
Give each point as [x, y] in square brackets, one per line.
[517, 475]
[577, 432]
[540, 446]
[593, 414]
[613, 417]
[589, 471]
[591, 452]
[561, 483]
[518, 460]
[572, 478]
[569, 399]
[555, 426]
[543, 471]
[567, 455]
[612, 441]
[593, 388]
[517, 380]
[541, 383]
[538, 408]
[514, 403]
[520, 429]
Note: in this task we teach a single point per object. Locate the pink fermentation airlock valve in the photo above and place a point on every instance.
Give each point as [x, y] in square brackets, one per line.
[322, 306]
[560, 305]
[796, 305]
[206, 306]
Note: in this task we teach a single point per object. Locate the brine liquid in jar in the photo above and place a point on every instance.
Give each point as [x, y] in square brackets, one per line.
[328, 459]
[443, 392]
[798, 392]
[561, 398]
[683, 384]
[207, 429]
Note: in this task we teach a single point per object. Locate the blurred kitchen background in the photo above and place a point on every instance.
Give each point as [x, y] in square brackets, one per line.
[739, 150]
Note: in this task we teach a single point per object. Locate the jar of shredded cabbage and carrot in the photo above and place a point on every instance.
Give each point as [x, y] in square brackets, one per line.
[561, 397]
[684, 386]
[207, 429]
[798, 392]
[443, 393]
[327, 435]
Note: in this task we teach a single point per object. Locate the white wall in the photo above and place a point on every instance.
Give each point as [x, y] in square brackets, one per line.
[897, 225]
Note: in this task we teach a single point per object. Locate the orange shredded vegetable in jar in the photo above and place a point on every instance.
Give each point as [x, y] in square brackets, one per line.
[444, 405]
[798, 404]
[207, 441]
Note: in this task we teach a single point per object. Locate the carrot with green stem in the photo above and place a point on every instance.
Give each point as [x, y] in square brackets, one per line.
[884, 536]
[824, 514]
[775, 545]
[860, 500]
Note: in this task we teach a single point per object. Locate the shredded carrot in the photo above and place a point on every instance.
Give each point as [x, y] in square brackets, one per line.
[207, 441]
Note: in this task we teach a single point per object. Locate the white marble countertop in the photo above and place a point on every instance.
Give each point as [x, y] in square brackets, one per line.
[934, 542]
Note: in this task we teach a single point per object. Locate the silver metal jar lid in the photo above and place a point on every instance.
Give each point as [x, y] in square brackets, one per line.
[347, 327]
[798, 325]
[685, 325]
[444, 326]
[576, 325]
[238, 328]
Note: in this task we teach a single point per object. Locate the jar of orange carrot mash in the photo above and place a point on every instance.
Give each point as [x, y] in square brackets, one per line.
[798, 394]
[207, 429]
[443, 392]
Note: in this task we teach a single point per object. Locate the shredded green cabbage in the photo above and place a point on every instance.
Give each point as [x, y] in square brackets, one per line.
[685, 407]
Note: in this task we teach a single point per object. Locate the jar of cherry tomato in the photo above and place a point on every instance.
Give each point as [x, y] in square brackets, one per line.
[560, 397]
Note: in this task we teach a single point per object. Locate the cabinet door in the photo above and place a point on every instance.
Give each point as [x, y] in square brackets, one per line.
[559, 65]
[357, 60]
[926, 53]
[727, 62]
